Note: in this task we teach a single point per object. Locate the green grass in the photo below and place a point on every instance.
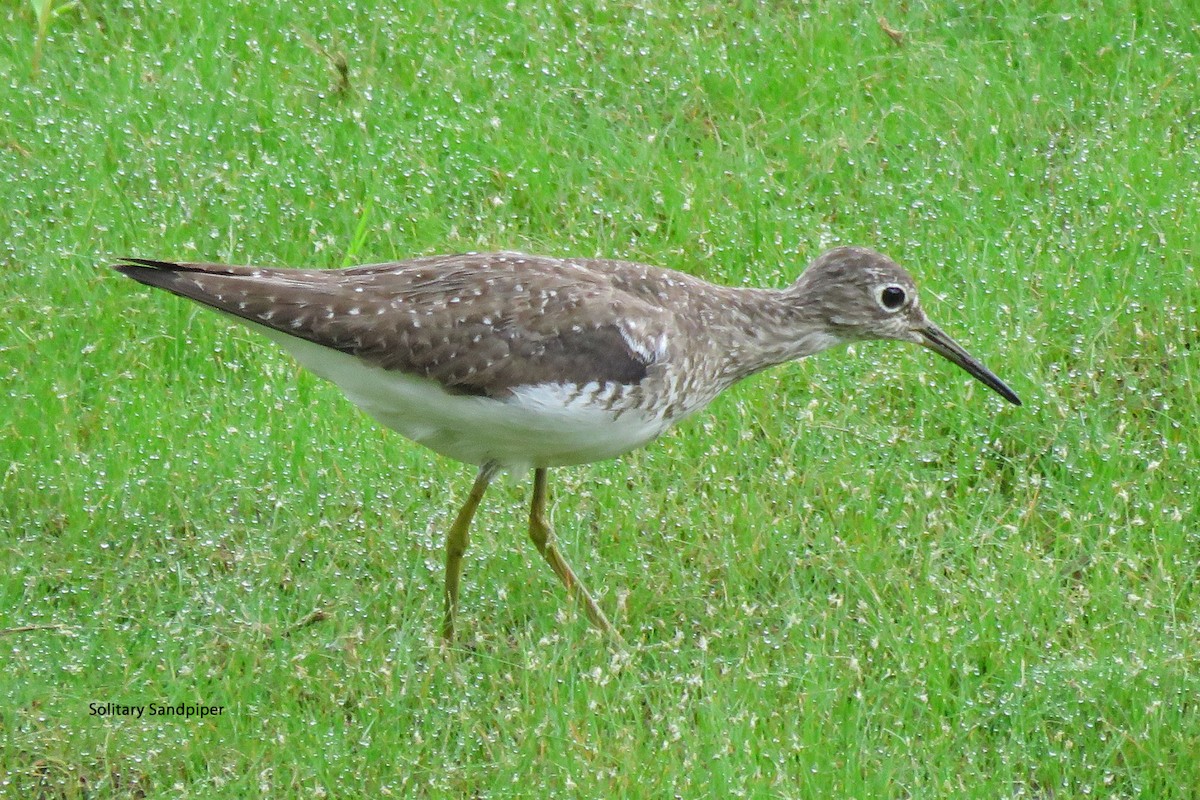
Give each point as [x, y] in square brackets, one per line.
[856, 576]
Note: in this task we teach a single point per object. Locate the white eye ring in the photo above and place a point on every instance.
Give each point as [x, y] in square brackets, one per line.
[891, 298]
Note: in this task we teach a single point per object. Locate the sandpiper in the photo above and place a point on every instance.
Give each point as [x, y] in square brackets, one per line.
[516, 362]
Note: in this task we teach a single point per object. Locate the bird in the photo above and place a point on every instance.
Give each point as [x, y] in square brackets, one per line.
[515, 362]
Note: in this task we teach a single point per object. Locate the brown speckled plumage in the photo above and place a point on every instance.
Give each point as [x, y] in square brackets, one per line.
[484, 323]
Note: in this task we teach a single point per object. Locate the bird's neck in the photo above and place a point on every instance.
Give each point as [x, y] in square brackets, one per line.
[760, 328]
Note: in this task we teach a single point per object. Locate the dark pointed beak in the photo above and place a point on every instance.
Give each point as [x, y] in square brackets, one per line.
[936, 340]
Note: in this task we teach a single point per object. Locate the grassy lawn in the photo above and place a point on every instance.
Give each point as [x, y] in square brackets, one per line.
[861, 575]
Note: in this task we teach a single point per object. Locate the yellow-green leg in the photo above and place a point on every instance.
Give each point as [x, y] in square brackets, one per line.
[456, 544]
[543, 538]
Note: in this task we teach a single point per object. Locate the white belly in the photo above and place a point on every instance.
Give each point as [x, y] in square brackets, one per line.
[539, 426]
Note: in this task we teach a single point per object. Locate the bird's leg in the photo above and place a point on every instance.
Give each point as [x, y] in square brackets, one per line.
[543, 538]
[456, 544]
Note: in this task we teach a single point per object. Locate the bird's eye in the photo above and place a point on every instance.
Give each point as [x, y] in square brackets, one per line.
[892, 297]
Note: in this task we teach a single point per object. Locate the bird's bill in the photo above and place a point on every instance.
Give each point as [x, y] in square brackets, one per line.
[936, 340]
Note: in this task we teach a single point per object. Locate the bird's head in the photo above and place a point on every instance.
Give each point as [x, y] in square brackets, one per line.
[858, 294]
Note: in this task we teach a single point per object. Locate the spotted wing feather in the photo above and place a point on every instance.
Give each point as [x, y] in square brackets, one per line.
[478, 324]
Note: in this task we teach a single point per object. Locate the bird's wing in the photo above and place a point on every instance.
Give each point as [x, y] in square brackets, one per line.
[476, 324]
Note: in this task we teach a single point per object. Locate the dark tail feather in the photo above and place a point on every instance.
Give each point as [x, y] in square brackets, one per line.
[160, 274]
[145, 269]
[199, 282]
